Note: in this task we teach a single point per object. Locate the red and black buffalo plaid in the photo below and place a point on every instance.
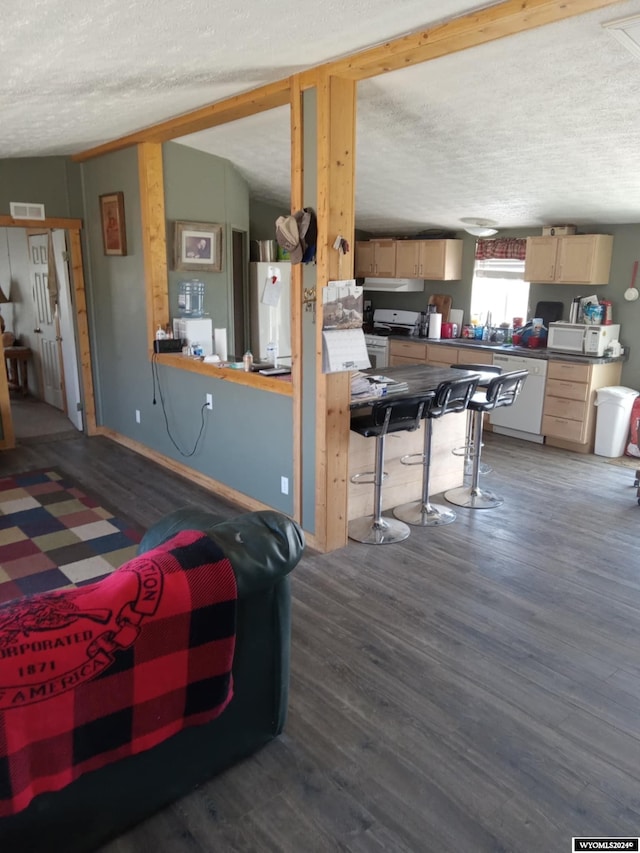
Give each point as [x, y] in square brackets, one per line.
[93, 674]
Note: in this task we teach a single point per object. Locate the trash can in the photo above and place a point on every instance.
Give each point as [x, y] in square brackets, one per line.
[612, 424]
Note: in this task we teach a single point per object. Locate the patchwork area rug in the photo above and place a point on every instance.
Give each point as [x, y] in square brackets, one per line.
[53, 535]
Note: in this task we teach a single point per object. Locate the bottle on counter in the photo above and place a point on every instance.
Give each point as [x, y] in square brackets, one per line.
[247, 361]
[272, 353]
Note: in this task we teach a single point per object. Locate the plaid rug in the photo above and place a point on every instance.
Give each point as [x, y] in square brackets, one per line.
[54, 536]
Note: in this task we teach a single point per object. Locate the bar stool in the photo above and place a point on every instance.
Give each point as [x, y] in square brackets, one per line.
[486, 373]
[501, 391]
[388, 416]
[453, 396]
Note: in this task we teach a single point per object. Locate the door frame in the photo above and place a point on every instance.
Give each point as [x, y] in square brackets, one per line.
[73, 228]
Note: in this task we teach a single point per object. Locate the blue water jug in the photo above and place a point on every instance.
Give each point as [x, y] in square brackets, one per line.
[191, 298]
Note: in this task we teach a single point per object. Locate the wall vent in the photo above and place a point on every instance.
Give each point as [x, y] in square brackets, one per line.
[26, 210]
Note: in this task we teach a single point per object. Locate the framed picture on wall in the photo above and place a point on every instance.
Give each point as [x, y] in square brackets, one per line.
[114, 232]
[197, 246]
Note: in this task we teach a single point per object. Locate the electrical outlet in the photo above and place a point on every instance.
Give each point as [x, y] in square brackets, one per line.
[284, 485]
[209, 401]
[137, 416]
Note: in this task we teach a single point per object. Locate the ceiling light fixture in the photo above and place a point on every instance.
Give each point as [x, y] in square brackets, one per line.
[479, 227]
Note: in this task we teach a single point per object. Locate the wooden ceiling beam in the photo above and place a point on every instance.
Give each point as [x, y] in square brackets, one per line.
[469, 30]
[231, 109]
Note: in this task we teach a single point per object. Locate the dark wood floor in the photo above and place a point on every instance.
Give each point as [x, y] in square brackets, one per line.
[474, 688]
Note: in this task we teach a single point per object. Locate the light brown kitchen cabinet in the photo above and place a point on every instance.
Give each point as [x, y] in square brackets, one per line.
[444, 355]
[569, 416]
[576, 259]
[375, 259]
[406, 352]
[436, 260]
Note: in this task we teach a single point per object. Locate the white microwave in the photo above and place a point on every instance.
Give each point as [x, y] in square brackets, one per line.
[580, 338]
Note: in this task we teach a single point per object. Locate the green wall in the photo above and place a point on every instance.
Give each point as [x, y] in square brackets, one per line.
[247, 439]
[262, 221]
[52, 181]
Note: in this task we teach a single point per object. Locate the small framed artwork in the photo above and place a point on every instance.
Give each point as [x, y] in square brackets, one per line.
[114, 232]
[197, 246]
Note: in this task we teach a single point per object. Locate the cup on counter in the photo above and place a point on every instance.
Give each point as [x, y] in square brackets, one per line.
[446, 330]
[516, 339]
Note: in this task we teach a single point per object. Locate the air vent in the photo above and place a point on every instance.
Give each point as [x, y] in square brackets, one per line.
[26, 210]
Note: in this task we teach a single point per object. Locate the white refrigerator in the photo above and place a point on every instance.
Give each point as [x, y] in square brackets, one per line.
[270, 308]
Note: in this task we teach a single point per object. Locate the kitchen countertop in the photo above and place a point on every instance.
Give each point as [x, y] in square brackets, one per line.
[420, 378]
[509, 349]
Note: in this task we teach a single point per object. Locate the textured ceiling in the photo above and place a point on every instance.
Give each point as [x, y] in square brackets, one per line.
[541, 127]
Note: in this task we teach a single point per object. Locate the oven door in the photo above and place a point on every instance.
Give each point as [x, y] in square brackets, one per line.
[378, 352]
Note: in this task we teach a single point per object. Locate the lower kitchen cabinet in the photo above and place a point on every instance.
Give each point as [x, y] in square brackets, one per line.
[443, 355]
[569, 416]
[406, 352]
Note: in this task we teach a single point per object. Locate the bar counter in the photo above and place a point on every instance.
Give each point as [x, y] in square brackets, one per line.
[404, 482]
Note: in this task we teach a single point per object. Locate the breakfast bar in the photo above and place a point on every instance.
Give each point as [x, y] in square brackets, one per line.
[404, 482]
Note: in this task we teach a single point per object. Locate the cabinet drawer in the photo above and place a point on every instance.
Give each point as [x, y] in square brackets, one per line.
[442, 355]
[409, 349]
[563, 428]
[399, 360]
[569, 370]
[574, 410]
[567, 390]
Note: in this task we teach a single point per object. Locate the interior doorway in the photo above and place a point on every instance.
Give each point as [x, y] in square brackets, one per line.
[44, 322]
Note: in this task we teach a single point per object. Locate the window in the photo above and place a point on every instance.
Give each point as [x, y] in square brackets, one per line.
[499, 287]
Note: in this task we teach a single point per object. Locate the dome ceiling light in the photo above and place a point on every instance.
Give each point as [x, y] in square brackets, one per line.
[479, 227]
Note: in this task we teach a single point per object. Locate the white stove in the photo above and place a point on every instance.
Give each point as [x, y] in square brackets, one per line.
[387, 321]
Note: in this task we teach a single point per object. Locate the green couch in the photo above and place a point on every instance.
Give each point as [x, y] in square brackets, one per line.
[263, 548]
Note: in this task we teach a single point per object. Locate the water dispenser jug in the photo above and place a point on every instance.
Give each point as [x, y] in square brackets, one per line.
[191, 298]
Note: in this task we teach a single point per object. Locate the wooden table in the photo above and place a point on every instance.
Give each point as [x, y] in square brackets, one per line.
[17, 359]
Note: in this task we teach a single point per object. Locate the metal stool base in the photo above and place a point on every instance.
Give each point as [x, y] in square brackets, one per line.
[471, 498]
[424, 515]
[386, 531]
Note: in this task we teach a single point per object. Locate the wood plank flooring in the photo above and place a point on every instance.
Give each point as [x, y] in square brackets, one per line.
[474, 688]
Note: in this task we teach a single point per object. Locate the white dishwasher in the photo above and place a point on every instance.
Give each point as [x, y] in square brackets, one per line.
[524, 418]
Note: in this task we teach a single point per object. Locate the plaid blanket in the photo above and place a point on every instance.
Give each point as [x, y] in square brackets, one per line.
[93, 674]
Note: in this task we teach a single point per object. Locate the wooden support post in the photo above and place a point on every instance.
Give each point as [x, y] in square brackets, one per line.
[336, 203]
[82, 322]
[154, 240]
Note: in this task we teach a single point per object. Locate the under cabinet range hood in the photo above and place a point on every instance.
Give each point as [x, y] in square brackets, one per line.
[397, 285]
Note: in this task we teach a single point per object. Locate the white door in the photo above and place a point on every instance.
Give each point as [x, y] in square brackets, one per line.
[46, 322]
[67, 333]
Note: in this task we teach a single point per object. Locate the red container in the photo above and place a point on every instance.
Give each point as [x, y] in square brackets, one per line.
[446, 330]
[534, 343]
[516, 339]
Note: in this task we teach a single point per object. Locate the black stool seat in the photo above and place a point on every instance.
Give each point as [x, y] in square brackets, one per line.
[452, 396]
[501, 391]
[486, 373]
[387, 416]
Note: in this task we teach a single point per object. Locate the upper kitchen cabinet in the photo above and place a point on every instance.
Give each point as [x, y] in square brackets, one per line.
[576, 259]
[437, 260]
[375, 259]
